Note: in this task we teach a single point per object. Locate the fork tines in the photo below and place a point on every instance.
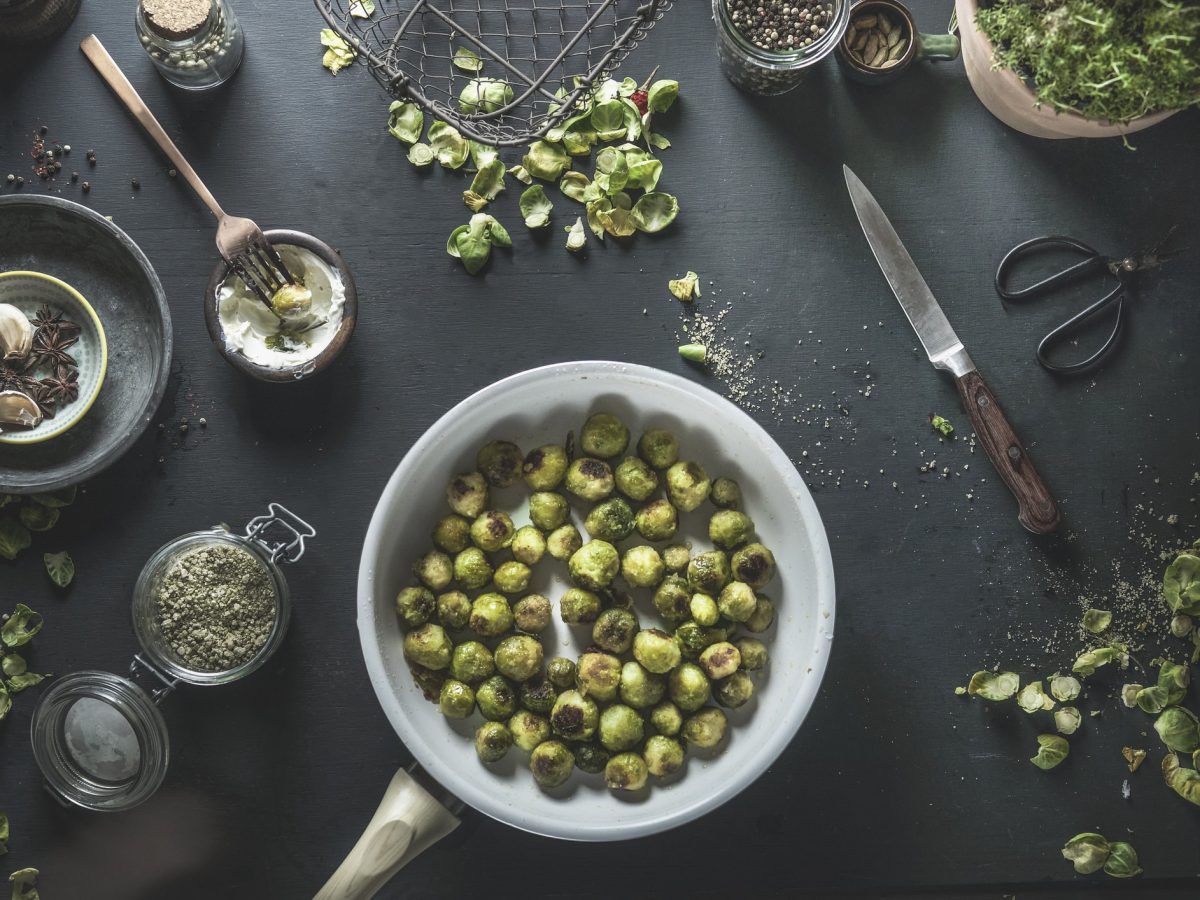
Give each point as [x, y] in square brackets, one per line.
[262, 269]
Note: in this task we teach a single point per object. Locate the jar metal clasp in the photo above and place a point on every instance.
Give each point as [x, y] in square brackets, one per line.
[289, 531]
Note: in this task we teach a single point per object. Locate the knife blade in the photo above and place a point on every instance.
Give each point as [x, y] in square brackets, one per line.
[1037, 510]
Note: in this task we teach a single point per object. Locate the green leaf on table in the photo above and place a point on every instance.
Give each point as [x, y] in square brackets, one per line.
[5, 702]
[1090, 660]
[546, 161]
[686, 288]
[1052, 750]
[23, 881]
[484, 95]
[1067, 720]
[993, 685]
[474, 201]
[1064, 687]
[13, 664]
[657, 141]
[420, 154]
[612, 172]
[1096, 620]
[1179, 729]
[14, 537]
[1181, 584]
[450, 148]
[617, 221]
[608, 120]
[579, 143]
[18, 683]
[3, 833]
[362, 9]
[536, 207]
[654, 211]
[467, 59]
[1087, 852]
[36, 517]
[520, 173]
[57, 499]
[576, 236]
[573, 185]
[595, 209]
[1184, 782]
[406, 121]
[338, 54]
[645, 174]
[60, 567]
[1122, 861]
[20, 627]
[662, 95]
[1032, 698]
[489, 180]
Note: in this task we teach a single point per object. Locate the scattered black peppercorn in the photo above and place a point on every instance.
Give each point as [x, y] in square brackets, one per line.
[87, 186]
[20, 180]
[42, 130]
[135, 184]
[57, 151]
[74, 177]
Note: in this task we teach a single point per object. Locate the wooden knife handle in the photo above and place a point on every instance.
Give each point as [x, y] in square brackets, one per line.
[1038, 511]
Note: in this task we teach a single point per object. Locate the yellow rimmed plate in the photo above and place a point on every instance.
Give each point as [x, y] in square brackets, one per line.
[28, 292]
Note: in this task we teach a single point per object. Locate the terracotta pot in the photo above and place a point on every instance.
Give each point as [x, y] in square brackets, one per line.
[1011, 101]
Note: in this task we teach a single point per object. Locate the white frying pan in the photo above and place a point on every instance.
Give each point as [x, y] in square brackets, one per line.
[538, 407]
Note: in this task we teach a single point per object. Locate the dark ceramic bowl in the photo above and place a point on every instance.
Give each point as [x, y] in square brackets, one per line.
[321, 362]
[82, 248]
[920, 46]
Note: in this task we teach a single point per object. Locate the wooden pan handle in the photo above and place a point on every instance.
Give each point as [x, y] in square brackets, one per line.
[1038, 511]
[407, 823]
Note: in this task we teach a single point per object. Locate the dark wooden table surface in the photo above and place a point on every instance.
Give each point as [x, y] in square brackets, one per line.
[893, 783]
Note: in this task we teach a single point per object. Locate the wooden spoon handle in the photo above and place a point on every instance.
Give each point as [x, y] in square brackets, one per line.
[1038, 511]
[409, 821]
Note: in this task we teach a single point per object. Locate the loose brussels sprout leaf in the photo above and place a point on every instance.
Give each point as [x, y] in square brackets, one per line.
[622, 200]
[654, 211]
[617, 221]
[645, 174]
[452, 241]
[474, 251]
[594, 210]
[546, 161]
[608, 120]
[1179, 729]
[1184, 782]
[406, 121]
[1129, 694]
[1032, 698]
[579, 143]
[14, 537]
[1122, 861]
[697, 353]
[576, 236]
[362, 9]
[449, 147]
[489, 180]
[686, 288]
[473, 201]
[937, 423]
[657, 141]
[1097, 620]
[467, 59]
[36, 517]
[536, 207]
[13, 664]
[612, 172]
[1052, 750]
[1087, 852]
[420, 154]
[1090, 660]
[662, 95]
[1171, 688]
[56, 499]
[1133, 757]
[520, 173]
[497, 233]
[484, 95]
[993, 686]
[577, 122]
[959, 691]
[1067, 720]
[60, 567]
[21, 626]
[1182, 625]
[5, 702]
[633, 120]
[18, 683]
[3, 831]
[573, 185]
[339, 54]
[482, 154]
[1065, 687]
[1181, 584]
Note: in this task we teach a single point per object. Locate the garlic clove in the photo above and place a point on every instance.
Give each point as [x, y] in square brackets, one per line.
[19, 409]
[16, 333]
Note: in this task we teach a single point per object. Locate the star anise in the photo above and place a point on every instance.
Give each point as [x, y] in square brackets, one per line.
[40, 395]
[10, 379]
[63, 388]
[44, 318]
[50, 347]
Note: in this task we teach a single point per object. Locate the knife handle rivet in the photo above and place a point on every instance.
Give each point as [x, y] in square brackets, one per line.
[982, 400]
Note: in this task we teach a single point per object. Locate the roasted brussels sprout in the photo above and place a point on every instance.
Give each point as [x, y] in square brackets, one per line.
[704, 610]
[725, 493]
[528, 545]
[754, 564]
[563, 542]
[657, 521]
[472, 569]
[528, 729]
[642, 566]
[666, 718]
[635, 479]
[499, 462]
[611, 520]
[452, 534]
[687, 485]
[472, 662]
[708, 572]
[626, 772]
[496, 699]
[693, 638]
[561, 672]
[574, 716]
[718, 660]
[548, 510]
[603, 436]
[467, 494]
[614, 630]
[672, 599]
[578, 607]
[538, 695]
[656, 650]
[491, 615]
[729, 529]
[640, 688]
[676, 558]
[620, 728]
[429, 681]
[737, 601]
[545, 467]
[599, 675]
[428, 646]
[762, 617]
[512, 577]
[753, 652]
[492, 530]
[532, 614]
[551, 763]
[688, 687]
[492, 741]
[594, 565]
[591, 758]
[520, 657]
[456, 700]
[590, 479]
[706, 728]
[734, 690]
[664, 755]
[659, 448]
[453, 609]
[415, 606]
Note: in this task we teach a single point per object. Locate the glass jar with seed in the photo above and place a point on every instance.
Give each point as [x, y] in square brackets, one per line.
[194, 44]
[766, 46]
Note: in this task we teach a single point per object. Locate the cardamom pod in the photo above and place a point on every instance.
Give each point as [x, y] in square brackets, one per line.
[861, 40]
[866, 21]
[885, 25]
[898, 51]
[880, 55]
[872, 46]
[893, 38]
[851, 34]
[890, 63]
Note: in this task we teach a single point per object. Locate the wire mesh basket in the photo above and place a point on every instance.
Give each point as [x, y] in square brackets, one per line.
[551, 52]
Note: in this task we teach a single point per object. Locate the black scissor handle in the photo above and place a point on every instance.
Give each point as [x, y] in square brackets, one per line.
[1066, 331]
[1091, 262]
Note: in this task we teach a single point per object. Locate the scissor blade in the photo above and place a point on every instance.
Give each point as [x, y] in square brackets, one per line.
[941, 344]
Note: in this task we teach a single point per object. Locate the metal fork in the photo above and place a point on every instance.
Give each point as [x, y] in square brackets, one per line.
[240, 241]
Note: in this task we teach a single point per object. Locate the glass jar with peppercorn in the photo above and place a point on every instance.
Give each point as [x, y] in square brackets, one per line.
[29, 21]
[765, 46]
[194, 44]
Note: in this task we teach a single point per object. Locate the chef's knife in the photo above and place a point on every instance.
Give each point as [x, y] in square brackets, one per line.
[1038, 512]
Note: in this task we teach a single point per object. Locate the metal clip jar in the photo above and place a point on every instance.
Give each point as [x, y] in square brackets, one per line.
[99, 738]
[194, 44]
[759, 70]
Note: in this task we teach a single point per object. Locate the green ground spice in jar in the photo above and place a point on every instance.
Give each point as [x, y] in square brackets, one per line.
[216, 607]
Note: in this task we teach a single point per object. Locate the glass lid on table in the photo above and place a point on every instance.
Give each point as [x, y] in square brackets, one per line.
[209, 607]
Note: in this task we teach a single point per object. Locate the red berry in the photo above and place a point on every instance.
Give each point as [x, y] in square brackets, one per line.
[641, 99]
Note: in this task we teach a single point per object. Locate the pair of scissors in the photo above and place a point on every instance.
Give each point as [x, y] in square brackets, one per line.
[1119, 274]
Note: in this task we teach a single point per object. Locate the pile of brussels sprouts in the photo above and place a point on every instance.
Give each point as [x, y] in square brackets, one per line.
[636, 696]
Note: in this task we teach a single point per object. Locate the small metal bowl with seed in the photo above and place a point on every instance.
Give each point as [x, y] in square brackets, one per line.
[882, 41]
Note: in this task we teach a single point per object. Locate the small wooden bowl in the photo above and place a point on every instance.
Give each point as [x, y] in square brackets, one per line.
[920, 46]
[322, 361]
